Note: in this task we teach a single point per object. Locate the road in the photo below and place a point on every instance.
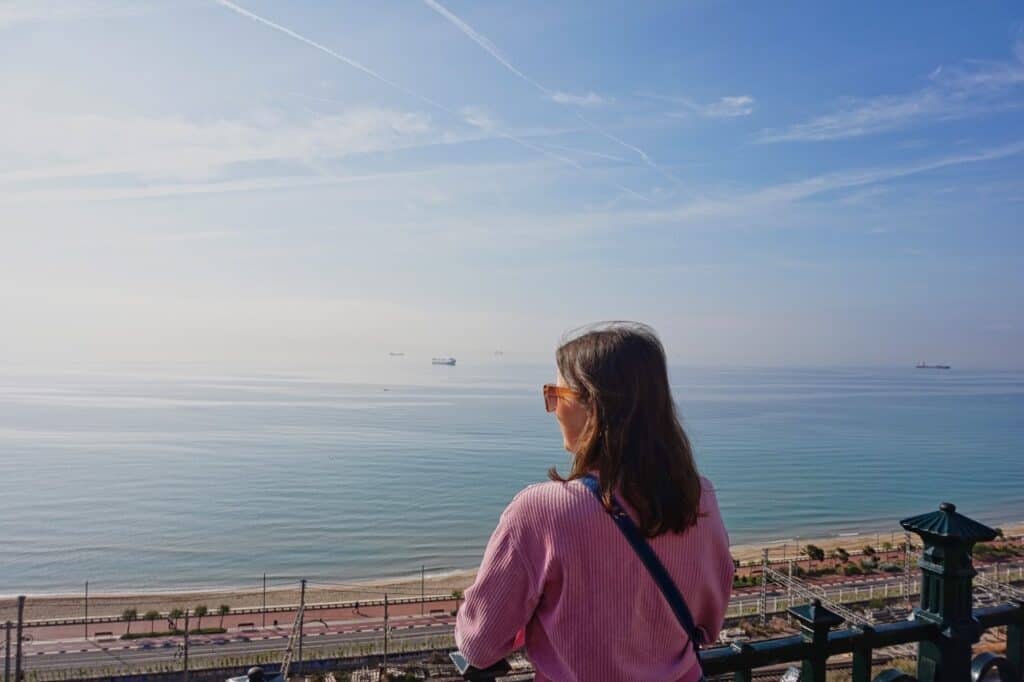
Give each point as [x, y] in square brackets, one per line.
[54, 655]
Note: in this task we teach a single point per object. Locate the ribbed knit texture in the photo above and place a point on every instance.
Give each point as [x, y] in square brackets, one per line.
[559, 568]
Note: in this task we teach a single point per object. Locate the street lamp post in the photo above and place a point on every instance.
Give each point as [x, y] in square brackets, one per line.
[7, 652]
[17, 644]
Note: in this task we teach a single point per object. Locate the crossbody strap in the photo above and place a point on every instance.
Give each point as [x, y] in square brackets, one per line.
[653, 563]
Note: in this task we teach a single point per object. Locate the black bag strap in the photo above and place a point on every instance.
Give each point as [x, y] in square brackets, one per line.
[653, 564]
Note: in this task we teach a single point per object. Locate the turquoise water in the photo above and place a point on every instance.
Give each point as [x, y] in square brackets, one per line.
[149, 481]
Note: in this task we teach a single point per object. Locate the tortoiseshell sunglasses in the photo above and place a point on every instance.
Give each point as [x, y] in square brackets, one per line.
[552, 393]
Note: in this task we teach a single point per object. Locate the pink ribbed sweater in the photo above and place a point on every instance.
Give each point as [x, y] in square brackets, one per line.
[559, 568]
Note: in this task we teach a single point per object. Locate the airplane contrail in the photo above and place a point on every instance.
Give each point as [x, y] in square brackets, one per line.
[323, 48]
[491, 49]
[643, 155]
[409, 93]
[586, 152]
[483, 42]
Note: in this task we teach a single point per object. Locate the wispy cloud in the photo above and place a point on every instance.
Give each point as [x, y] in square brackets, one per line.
[962, 91]
[14, 12]
[193, 188]
[730, 106]
[757, 202]
[174, 148]
[591, 99]
[414, 186]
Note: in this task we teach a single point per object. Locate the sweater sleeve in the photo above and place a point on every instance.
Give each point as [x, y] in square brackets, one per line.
[501, 600]
[718, 590]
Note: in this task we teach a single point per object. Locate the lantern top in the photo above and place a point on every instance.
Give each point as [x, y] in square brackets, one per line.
[947, 524]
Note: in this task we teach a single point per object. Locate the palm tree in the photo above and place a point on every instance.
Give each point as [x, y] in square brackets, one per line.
[223, 610]
[457, 596]
[813, 553]
[129, 615]
[152, 616]
[175, 614]
[199, 612]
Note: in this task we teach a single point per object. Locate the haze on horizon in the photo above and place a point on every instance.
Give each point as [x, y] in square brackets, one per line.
[268, 184]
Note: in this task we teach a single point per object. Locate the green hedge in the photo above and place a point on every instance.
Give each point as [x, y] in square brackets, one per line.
[175, 633]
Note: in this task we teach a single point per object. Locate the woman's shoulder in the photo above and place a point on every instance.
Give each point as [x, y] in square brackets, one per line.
[549, 501]
[548, 494]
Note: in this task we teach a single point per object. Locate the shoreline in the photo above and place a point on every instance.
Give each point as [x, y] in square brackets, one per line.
[44, 606]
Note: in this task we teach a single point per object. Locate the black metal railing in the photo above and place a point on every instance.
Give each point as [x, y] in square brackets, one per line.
[944, 625]
[816, 644]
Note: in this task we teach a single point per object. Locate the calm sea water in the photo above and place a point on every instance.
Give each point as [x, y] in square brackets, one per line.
[156, 481]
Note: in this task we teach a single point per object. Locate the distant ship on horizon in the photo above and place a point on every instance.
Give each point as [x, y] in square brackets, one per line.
[443, 361]
[924, 365]
[396, 355]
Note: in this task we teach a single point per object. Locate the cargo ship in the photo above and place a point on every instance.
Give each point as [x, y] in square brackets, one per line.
[924, 365]
[443, 361]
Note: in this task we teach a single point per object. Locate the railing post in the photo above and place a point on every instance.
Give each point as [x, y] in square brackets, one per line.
[947, 576]
[743, 674]
[815, 622]
[1015, 641]
[862, 654]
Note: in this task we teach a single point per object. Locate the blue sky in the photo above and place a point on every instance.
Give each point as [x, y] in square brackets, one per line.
[271, 184]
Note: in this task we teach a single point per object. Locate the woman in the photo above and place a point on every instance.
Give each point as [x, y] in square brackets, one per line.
[559, 575]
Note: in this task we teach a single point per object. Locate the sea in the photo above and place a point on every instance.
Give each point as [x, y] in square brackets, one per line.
[154, 480]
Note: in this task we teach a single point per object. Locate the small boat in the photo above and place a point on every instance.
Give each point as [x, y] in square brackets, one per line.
[443, 361]
[396, 355]
[922, 365]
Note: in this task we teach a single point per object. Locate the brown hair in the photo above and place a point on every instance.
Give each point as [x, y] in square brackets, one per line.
[632, 436]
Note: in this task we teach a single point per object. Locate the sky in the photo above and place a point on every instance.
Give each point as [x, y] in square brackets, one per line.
[267, 184]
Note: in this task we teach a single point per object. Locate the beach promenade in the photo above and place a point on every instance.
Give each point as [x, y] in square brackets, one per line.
[111, 604]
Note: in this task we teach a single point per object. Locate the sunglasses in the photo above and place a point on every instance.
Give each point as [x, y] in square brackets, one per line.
[552, 393]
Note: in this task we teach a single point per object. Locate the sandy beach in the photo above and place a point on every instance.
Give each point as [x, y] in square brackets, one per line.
[853, 542]
[38, 607]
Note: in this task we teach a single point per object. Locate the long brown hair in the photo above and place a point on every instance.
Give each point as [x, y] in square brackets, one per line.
[632, 436]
